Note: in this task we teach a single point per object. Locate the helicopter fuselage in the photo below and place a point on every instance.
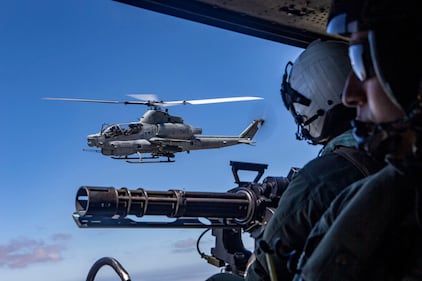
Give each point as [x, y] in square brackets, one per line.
[159, 133]
[137, 137]
[162, 139]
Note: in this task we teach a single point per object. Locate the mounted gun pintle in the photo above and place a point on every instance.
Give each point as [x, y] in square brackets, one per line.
[247, 207]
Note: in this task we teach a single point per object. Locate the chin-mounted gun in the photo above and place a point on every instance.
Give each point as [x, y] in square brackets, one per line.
[245, 208]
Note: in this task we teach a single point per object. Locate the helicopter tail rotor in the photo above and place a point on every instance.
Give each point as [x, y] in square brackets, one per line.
[269, 113]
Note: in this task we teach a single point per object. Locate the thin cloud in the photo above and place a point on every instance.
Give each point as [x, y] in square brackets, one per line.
[22, 252]
[186, 245]
[60, 236]
[191, 272]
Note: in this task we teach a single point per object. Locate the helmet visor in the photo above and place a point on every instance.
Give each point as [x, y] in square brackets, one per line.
[360, 59]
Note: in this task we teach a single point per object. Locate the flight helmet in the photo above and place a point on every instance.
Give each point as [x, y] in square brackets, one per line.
[393, 47]
[392, 53]
[311, 90]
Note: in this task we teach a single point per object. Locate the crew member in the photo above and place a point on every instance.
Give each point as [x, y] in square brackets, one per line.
[311, 91]
[372, 230]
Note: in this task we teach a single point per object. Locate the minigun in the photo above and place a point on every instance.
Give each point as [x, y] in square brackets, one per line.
[247, 208]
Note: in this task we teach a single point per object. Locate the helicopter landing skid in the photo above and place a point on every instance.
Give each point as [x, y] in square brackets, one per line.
[144, 160]
[149, 162]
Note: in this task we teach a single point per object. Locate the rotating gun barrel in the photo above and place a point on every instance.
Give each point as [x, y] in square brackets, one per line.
[248, 206]
[108, 206]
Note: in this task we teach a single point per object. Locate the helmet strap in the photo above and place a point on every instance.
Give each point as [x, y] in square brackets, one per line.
[320, 112]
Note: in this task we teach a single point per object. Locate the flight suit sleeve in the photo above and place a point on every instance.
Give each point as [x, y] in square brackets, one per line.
[350, 245]
[306, 198]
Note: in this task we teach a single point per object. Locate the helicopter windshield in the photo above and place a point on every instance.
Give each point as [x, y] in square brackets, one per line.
[132, 128]
[121, 129]
[112, 131]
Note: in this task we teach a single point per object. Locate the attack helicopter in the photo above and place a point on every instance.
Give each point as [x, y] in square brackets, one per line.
[159, 134]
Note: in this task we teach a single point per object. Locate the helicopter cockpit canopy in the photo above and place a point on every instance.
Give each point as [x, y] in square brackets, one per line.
[111, 130]
[120, 129]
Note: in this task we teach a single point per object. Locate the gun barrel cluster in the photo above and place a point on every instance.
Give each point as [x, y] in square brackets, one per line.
[109, 202]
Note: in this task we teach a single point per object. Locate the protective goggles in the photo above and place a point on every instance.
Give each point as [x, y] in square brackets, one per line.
[343, 24]
[361, 61]
[368, 59]
[359, 53]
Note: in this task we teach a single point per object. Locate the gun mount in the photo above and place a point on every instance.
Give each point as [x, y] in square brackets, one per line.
[245, 208]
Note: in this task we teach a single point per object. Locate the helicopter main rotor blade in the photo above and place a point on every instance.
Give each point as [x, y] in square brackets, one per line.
[214, 100]
[195, 102]
[98, 101]
[162, 103]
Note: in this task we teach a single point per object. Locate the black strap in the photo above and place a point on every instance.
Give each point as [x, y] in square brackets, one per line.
[362, 161]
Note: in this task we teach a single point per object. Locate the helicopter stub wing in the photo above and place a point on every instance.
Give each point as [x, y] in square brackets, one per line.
[156, 140]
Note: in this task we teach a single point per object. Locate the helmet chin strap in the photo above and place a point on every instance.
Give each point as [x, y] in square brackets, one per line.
[303, 133]
[369, 137]
[387, 141]
[320, 112]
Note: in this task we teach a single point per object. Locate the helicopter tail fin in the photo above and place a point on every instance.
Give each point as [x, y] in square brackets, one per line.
[252, 129]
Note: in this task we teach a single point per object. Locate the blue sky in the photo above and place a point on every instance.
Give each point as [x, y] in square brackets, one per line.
[102, 49]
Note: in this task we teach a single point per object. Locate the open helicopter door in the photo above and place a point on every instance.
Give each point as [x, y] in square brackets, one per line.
[291, 22]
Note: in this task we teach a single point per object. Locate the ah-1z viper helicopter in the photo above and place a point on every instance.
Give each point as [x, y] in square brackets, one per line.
[159, 133]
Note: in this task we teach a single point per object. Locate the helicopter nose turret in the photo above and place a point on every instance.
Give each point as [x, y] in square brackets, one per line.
[93, 140]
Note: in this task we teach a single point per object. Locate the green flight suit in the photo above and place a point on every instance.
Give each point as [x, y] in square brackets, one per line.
[372, 231]
[307, 196]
